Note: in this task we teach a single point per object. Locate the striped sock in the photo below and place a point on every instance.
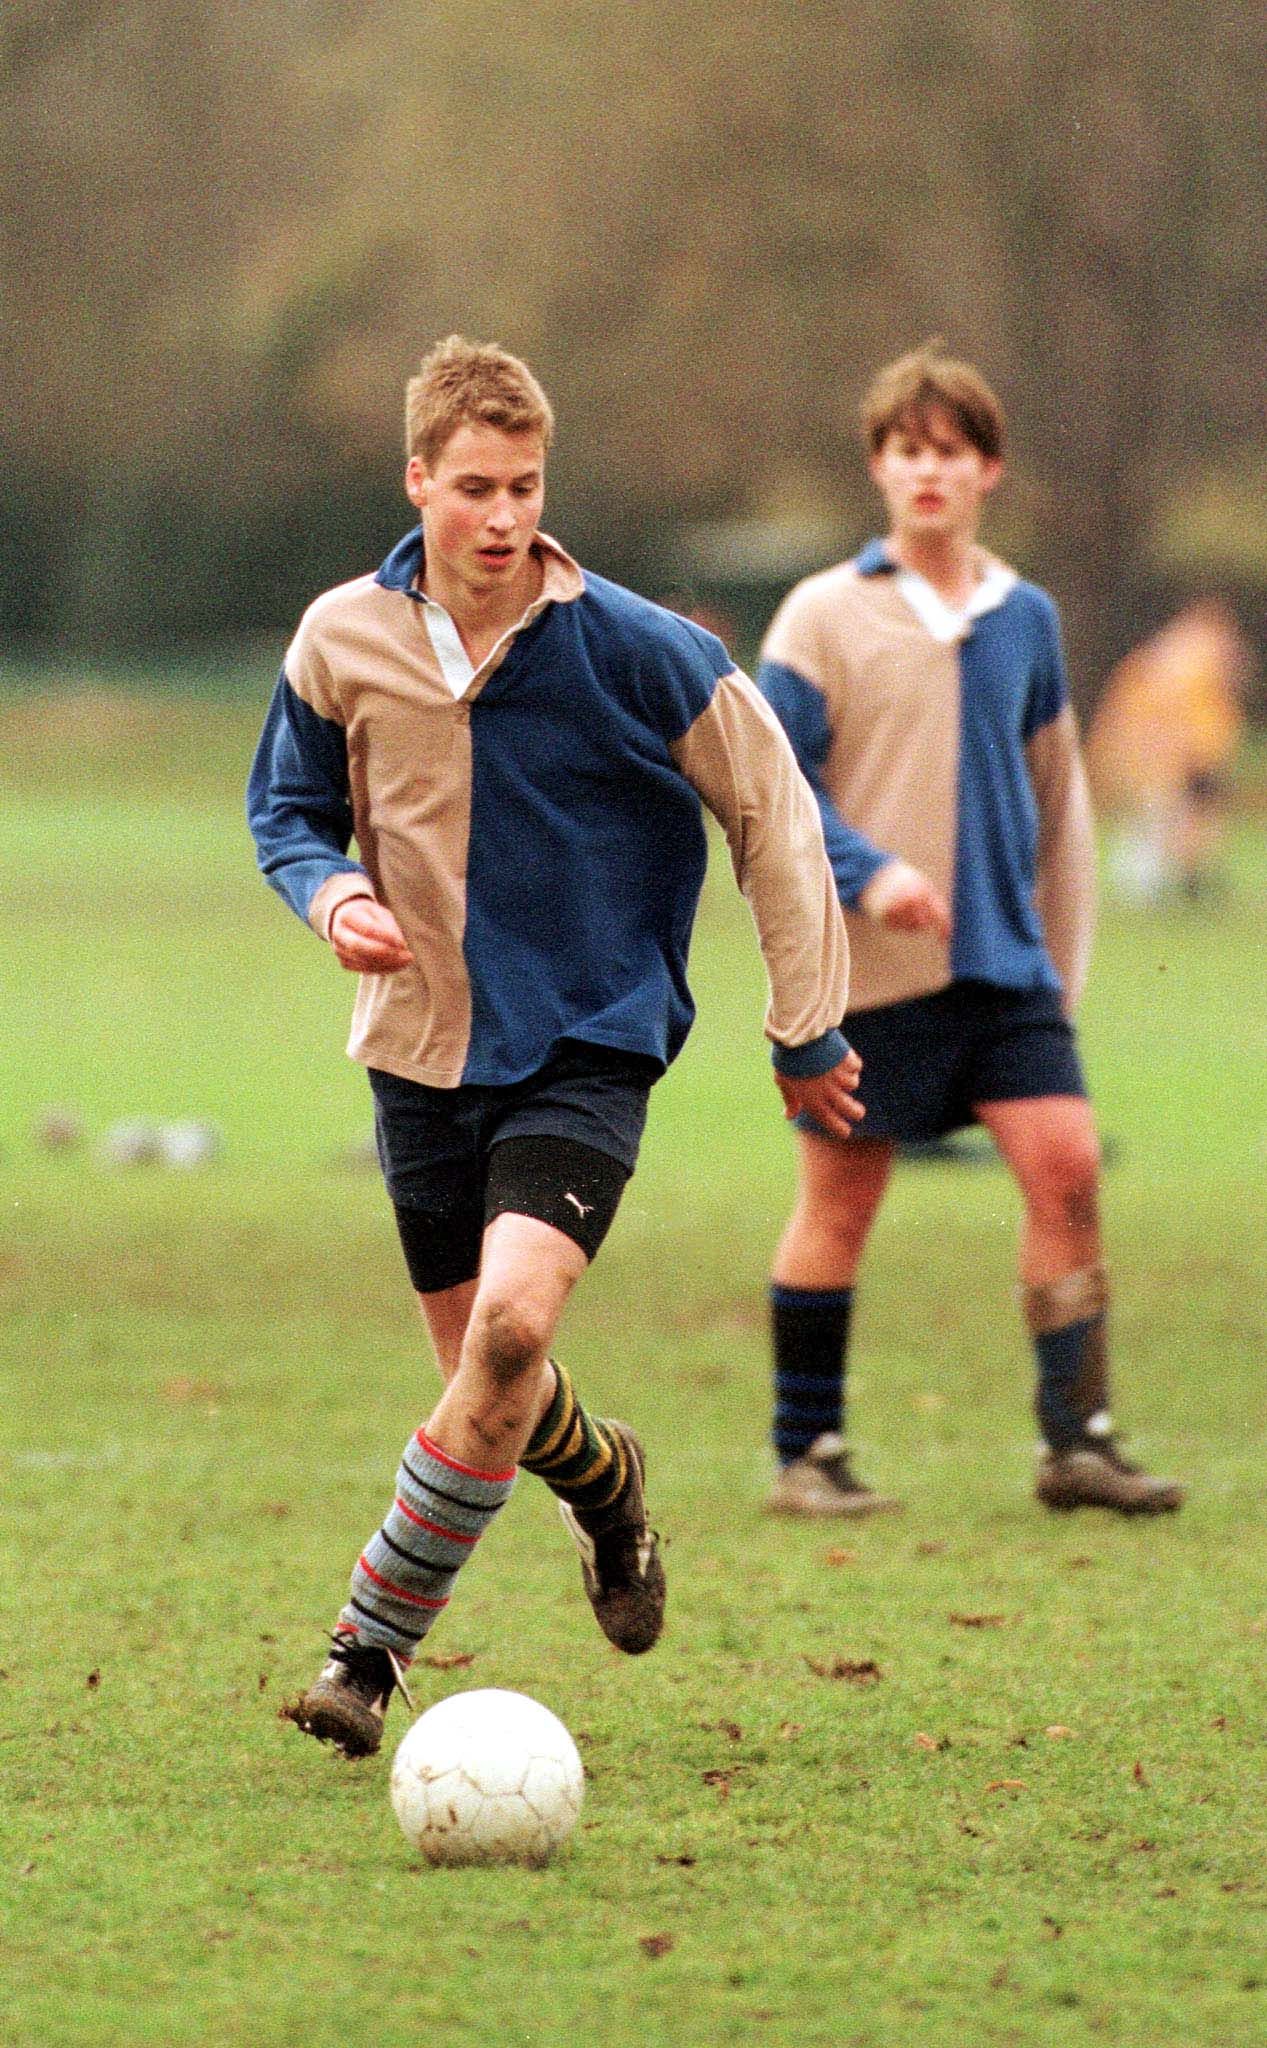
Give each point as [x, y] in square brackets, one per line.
[810, 1329]
[404, 1575]
[580, 1459]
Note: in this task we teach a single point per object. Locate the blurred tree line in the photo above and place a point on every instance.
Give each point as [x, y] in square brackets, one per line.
[229, 232]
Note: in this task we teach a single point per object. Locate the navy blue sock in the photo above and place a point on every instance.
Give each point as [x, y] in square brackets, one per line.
[810, 1328]
[1067, 1359]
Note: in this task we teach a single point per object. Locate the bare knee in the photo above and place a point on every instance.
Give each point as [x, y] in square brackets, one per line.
[509, 1338]
[1064, 1178]
[844, 1225]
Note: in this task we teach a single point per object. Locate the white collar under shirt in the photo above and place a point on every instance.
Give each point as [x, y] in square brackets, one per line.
[446, 641]
[943, 621]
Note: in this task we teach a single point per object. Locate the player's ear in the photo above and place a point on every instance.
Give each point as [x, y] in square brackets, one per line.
[991, 472]
[416, 481]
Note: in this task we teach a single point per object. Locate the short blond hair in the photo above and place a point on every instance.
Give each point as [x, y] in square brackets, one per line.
[461, 380]
[905, 393]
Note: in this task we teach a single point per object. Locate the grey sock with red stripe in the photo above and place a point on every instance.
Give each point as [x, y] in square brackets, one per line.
[404, 1575]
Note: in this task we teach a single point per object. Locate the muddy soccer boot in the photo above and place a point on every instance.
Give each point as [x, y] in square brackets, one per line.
[1094, 1474]
[346, 1704]
[620, 1559]
[823, 1483]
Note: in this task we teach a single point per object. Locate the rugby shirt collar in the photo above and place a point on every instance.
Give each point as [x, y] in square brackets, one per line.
[941, 620]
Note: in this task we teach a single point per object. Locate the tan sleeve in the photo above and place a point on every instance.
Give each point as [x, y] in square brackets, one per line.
[738, 757]
[795, 633]
[338, 889]
[1065, 891]
[307, 670]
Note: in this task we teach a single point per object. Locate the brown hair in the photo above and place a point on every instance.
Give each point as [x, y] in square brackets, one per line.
[461, 380]
[904, 393]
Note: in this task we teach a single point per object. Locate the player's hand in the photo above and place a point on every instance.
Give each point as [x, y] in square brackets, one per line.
[829, 1097]
[903, 899]
[367, 939]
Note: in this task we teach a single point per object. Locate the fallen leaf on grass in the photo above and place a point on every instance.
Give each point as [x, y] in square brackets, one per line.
[449, 1660]
[730, 1729]
[1052, 1929]
[184, 1389]
[1058, 1732]
[720, 1780]
[977, 1620]
[1006, 1785]
[655, 1944]
[263, 1681]
[1219, 1722]
[1146, 1847]
[1138, 1773]
[932, 1742]
[685, 1861]
[836, 1556]
[93, 1680]
[856, 1670]
[789, 1730]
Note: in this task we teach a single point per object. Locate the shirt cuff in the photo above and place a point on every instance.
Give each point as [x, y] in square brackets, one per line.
[336, 889]
[818, 1056]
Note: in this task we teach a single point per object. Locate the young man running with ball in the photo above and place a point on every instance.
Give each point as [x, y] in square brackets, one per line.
[521, 751]
[923, 688]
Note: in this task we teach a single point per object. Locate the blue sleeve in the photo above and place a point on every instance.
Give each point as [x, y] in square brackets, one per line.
[801, 711]
[1049, 684]
[298, 803]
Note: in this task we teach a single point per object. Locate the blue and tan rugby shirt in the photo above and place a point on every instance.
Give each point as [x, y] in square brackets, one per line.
[535, 826]
[947, 741]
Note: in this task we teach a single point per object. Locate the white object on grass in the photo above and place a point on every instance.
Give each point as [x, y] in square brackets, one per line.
[487, 1777]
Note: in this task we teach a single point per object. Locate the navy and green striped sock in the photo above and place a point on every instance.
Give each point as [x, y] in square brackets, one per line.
[579, 1457]
[810, 1331]
[404, 1575]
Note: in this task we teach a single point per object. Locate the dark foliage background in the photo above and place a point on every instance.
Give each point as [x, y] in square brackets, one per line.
[229, 233]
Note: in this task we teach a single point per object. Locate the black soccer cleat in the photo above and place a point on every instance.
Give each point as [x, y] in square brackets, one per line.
[620, 1558]
[347, 1703]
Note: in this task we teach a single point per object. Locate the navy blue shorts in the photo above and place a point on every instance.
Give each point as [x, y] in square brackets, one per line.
[559, 1146]
[927, 1063]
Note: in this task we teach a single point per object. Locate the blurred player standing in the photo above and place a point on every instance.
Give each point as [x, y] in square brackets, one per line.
[521, 751]
[923, 688]
[1160, 752]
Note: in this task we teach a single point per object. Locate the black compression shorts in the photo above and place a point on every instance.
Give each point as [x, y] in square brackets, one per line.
[558, 1146]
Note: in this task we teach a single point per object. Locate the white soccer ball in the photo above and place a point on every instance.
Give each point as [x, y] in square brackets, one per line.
[487, 1777]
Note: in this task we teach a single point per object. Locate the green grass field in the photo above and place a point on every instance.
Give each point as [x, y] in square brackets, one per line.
[1043, 1823]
